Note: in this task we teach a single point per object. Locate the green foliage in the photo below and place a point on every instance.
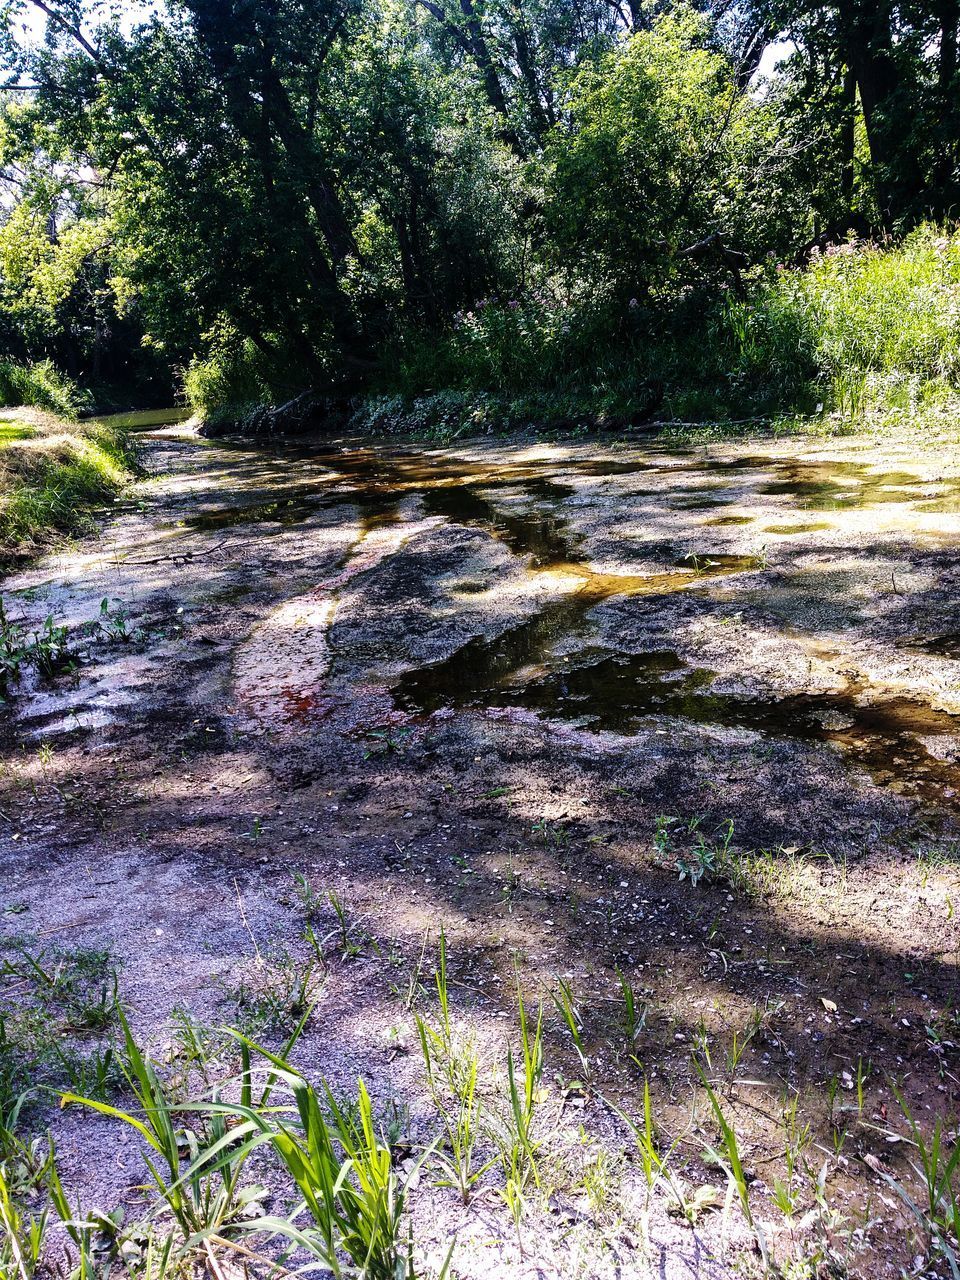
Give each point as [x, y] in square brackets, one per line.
[343, 1170]
[890, 315]
[21, 1234]
[227, 384]
[657, 156]
[51, 481]
[41, 386]
[937, 1170]
[559, 212]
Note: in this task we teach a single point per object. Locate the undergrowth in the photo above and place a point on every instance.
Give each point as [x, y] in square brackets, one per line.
[863, 336]
[41, 386]
[52, 476]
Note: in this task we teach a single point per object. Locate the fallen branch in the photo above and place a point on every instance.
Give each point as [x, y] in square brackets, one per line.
[181, 555]
[712, 422]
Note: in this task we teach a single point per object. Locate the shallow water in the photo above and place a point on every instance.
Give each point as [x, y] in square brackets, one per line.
[142, 419]
[540, 507]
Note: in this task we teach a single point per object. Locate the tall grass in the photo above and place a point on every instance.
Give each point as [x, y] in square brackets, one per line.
[41, 386]
[863, 333]
[52, 475]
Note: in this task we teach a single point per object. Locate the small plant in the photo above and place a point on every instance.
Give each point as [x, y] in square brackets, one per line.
[256, 830]
[82, 985]
[563, 1000]
[97, 1074]
[112, 625]
[943, 1037]
[95, 1236]
[654, 1162]
[937, 1169]
[50, 649]
[457, 1158]
[634, 1014]
[278, 993]
[21, 1235]
[797, 1141]
[705, 860]
[552, 834]
[311, 902]
[733, 1165]
[452, 1069]
[14, 649]
[386, 742]
[344, 1172]
[206, 1196]
[409, 994]
[520, 1152]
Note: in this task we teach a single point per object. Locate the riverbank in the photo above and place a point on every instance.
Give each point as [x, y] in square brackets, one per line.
[53, 474]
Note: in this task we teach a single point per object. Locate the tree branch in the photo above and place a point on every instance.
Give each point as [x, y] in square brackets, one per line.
[71, 30]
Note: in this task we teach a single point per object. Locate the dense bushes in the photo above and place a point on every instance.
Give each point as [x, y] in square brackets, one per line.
[39, 385]
[228, 383]
[865, 333]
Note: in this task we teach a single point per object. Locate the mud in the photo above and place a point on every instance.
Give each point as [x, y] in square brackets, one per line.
[461, 685]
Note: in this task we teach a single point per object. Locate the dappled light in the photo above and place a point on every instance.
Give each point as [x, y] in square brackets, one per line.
[479, 640]
[697, 786]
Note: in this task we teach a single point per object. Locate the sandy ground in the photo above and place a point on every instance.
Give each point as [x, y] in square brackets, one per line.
[459, 686]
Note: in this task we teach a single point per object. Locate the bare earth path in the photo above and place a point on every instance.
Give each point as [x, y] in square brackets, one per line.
[460, 686]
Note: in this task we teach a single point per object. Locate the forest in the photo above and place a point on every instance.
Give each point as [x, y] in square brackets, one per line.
[561, 209]
[480, 639]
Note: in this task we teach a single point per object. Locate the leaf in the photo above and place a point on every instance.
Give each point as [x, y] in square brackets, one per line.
[829, 1005]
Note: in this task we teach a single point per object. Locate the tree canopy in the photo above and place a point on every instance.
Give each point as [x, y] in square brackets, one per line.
[311, 185]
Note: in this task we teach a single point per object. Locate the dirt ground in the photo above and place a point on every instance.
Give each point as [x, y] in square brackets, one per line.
[460, 686]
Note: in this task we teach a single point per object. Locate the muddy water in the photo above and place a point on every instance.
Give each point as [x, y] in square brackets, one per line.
[144, 419]
[529, 667]
[588, 531]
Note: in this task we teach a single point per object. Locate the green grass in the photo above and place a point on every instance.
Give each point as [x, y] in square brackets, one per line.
[10, 431]
[52, 476]
[40, 385]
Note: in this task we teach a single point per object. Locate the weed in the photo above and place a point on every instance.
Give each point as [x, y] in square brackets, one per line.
[345, 1174]
[452, 1069]
[277, 993]
[797, 1137]
[82, 984]
[206, 1197]
[350, 947]
[14, 649]
[457, 1159]
[21, 1235]
[113, 625]
[634, 1014]
[705, 860]
[311, 902]
[937, 1169]
[563, 1000]
[414, 987]
[386, 742]
[654, 1161]
[552, 834]
[520, 1152]
[943, 1037]
[50, 649]
[733, 1165]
